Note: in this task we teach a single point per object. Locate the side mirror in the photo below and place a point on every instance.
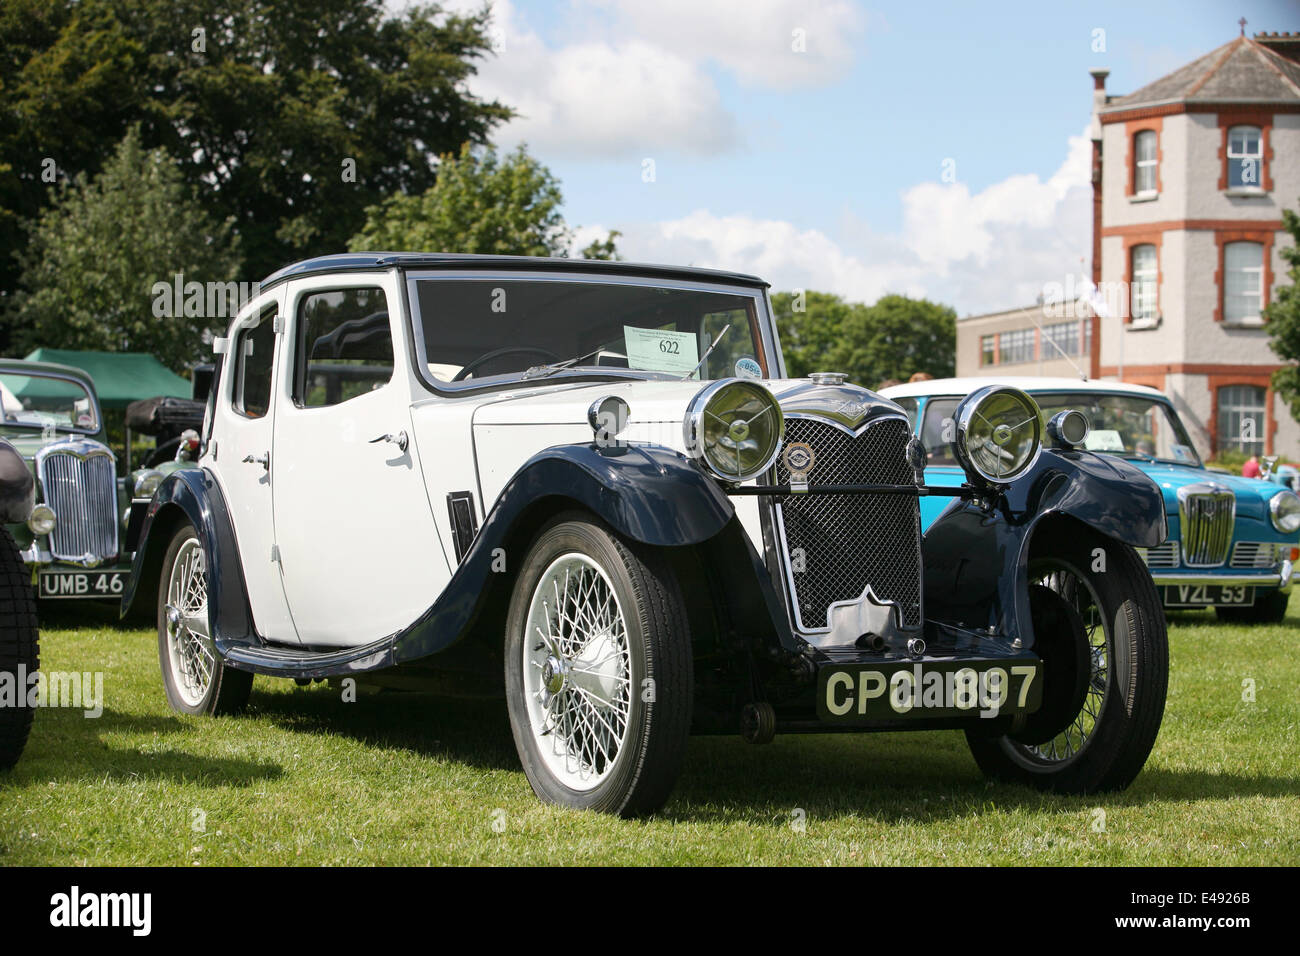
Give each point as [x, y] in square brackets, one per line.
[1266, 466]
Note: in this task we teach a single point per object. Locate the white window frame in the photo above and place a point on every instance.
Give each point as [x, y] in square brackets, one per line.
[1235, 411]
[1141, 280]
[1242, 155]
[1249, 317]
[1141, 165]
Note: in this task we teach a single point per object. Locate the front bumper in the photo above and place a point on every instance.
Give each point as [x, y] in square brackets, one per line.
[1281, 578]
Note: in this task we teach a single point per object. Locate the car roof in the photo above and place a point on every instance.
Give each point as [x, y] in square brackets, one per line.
[1028, 383]
[15, 366]
[380, 261]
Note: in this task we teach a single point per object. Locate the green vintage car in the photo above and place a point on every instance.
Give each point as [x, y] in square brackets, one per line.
[72, 540]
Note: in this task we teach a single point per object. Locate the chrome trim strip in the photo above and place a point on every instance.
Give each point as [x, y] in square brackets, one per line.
[1268, 579]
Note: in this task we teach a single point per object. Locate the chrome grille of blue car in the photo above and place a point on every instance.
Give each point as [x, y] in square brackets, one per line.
[1261, 555]
[846, 542]
[1164, 555]
[79, 481]
[1206, 512]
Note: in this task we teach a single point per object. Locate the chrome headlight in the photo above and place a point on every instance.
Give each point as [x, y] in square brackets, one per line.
[1284, 510]
[999, 433]
[42, 519]
[146, 483]
[735, 427]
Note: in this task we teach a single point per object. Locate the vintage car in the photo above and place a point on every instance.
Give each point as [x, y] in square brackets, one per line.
[1232, 542]
[592, 488]
[71, 540]
[19, 638]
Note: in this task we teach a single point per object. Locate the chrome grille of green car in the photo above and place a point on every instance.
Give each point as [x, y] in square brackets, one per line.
[1206, 512]
[846, 542]
[79, 481]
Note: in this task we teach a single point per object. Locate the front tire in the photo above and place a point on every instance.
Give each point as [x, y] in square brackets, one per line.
[598, 670]
[1268, 609]
[19, 648]
[1110, 737]
[195, 678]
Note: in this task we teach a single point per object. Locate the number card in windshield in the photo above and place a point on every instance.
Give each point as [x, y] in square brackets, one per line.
[659, 350]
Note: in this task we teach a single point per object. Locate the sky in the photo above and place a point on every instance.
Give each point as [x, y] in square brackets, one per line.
[925, 148]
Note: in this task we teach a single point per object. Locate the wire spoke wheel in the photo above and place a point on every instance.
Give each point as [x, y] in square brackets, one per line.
[190, 652]
[577, 671]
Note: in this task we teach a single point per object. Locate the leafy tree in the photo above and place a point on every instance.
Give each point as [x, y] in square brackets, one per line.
[101, 245]
[1283, 315]
[481, 203]
[893, 339]
[292, 116]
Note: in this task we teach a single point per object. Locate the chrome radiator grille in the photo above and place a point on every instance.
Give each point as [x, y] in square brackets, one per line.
[81, 487]
[1205, 514]
[1258, 554]
[845, 542]
[1164, 555]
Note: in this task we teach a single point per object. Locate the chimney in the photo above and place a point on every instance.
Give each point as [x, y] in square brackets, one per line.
[1098, 99]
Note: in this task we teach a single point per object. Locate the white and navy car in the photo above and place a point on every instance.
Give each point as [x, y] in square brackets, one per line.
[590, 487]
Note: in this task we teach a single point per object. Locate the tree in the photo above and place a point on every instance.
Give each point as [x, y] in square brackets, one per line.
[292, 116]
[481, 203]
[893, 339]
[1283, 317]
[97, 251]
[606, 248]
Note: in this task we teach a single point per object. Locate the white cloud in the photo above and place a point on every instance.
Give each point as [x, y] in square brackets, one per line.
[979, 252]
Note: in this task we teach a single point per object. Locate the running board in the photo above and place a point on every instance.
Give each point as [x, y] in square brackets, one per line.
[299, 662]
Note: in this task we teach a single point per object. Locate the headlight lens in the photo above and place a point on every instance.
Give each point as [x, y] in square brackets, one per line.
[42, 519]
[146, 483]
[1284, 509]
[999, 433]
[736, 428]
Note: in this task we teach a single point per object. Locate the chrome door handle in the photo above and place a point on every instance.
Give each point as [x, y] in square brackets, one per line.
[400, 440]
[264, 460]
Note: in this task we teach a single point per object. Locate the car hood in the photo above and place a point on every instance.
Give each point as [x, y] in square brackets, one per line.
[661, 402]
[1252, 494]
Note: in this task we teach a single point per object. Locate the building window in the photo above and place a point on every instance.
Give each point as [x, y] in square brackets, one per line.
[1144, 163]
[1243, 281]
[1017, 346]
[1245, 157]
[1144, 270]
[1086, 348]
[1241, 419]
[1062, 338]
[988, 349]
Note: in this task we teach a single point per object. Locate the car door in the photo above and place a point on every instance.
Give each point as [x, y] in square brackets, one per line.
[241, 460]
[360, 553]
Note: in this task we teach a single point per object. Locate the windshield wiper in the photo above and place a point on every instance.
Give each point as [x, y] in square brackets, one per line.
[541, 371]
[707, 352]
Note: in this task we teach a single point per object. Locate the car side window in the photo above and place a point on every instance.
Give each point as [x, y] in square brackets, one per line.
[254, 351]
[344, 346]
[937, 430]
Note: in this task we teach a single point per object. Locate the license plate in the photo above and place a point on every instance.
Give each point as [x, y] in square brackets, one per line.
[82, 584]
[906, 689]
[1208, 595]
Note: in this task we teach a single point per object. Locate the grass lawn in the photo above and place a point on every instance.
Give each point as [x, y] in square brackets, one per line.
[408, 778]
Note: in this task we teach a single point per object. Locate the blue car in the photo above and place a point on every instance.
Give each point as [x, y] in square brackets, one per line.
[1232, 540]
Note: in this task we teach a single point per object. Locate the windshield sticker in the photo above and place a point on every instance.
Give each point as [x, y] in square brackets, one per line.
[1104, 439]
[1182, 453]
[746, 367]
[660, 350]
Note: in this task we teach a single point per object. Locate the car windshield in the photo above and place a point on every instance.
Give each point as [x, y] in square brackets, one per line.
[46, 402]
[483, 331]
[1128, 426]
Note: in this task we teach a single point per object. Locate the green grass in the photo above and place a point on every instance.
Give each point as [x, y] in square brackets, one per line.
[408, 778]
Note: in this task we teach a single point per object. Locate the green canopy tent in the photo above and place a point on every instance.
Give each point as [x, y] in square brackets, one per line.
[120, 378]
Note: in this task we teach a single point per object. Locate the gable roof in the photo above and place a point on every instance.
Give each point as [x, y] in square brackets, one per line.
[1241, 71]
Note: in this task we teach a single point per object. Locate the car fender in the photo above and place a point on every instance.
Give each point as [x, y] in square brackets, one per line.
[17, 486]
[976, 558]
[192, 495]
[648, 493]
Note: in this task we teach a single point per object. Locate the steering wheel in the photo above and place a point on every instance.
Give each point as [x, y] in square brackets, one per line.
[497, 353]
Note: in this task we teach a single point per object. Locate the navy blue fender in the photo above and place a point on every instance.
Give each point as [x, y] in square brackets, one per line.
[976, 560]
[192, 495]
[648, 493]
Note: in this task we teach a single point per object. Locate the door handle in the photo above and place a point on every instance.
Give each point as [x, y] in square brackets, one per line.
[399, 439]
[264, 460]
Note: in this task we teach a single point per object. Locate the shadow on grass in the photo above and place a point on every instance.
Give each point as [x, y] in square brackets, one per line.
[66, 746]
[100, 615]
